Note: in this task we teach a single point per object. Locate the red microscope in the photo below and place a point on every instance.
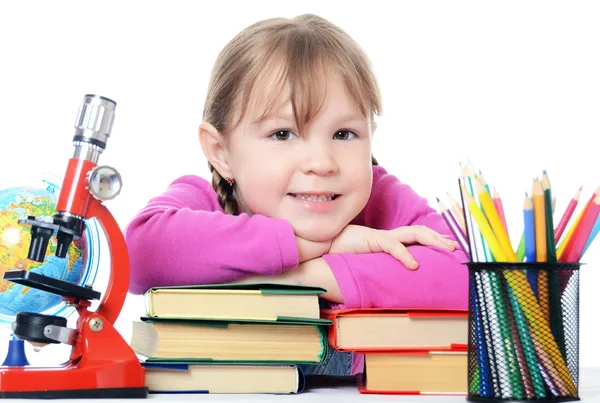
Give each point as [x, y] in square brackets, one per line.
[101, 364]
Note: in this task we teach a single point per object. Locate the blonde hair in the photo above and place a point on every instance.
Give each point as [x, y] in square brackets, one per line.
[297, 52]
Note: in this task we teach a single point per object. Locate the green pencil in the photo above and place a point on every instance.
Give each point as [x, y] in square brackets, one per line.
[554, 293]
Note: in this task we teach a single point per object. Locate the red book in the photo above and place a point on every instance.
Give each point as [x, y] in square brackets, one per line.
[378, 329]
[419, 372]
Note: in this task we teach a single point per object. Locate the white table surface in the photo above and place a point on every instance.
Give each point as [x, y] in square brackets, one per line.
[336, 390]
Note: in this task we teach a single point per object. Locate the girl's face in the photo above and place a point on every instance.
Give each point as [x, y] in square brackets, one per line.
[318, 180]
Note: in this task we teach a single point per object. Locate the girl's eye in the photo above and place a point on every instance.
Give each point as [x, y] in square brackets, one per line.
[283, 135]
[344, 135]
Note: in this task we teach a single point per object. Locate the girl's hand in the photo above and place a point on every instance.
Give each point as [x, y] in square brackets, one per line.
[359, 239]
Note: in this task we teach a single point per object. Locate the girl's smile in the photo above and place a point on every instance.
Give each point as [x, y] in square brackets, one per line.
[316, 202]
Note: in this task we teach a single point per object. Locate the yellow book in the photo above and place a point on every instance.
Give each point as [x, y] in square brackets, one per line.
[226, 378]
[234, 302]
[217, 341]
[426, 372]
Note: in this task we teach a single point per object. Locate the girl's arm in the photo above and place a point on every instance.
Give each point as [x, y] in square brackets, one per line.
[372, 280]
[183, 237]
[378, 279]
[315, 273]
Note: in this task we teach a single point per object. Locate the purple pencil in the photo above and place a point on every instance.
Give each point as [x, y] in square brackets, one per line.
[454, 227]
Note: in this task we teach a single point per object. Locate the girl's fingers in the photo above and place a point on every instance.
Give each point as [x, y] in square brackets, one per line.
[417, 234]
[399, 251]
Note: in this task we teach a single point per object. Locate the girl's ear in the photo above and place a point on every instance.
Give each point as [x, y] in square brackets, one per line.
[213, 145]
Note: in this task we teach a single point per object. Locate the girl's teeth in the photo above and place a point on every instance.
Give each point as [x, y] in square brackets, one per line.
[313, 198]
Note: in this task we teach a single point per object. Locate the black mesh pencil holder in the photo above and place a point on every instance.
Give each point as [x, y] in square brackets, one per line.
[523, 332]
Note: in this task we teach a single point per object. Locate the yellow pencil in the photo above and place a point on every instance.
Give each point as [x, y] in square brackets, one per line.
[495, 221]
[541, 254]
[484, 227]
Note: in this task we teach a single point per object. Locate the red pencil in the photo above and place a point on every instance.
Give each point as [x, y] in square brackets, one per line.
[584, 231]
[576, 230]
[560, 228]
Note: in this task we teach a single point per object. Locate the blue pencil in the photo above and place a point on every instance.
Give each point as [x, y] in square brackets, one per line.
[593, 235]
[529, 234]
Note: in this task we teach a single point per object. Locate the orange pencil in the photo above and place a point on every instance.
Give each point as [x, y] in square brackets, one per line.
[541, 247]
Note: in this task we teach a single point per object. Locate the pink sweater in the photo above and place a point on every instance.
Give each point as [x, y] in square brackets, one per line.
[184, 237]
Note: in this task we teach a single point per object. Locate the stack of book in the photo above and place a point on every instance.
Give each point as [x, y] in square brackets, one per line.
[230, 338]
[406, 351]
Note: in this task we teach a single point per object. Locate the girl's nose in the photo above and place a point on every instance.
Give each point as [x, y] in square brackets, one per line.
[320, 160]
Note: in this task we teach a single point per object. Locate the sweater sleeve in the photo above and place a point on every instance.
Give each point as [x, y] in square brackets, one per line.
[379, 280]
[184, 237]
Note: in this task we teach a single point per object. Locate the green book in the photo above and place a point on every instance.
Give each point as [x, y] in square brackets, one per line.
[230, 302]
[186, 340]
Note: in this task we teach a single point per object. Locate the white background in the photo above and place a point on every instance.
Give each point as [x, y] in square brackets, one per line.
[512, 85]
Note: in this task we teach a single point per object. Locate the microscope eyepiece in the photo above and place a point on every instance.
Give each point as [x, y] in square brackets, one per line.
[94, 120]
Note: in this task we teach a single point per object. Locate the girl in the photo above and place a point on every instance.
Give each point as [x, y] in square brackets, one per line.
[296, 196]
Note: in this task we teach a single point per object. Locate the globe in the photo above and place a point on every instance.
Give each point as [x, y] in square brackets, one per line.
[80, 266]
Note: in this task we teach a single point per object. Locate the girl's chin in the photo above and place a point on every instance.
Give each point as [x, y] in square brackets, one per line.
[316, 233]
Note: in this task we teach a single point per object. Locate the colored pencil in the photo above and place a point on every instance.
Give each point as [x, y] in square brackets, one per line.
[593, 236]
[550, 244]
[540, 328]
[482, 357]
[519, 353]
[481, 243]
[530, 242]
[549, 366]
[454, 227]
[483, 293]
[540, 222]
[521, 248]
[495, 222]
[562, 224]
[471, 237]
[497, 329]
[458, 212]
[554, 293]
[484, 183]
[519, 324]
[529, 229]
[484, 228]
[525, 338]
[500, 209]
[539, 213]
[573, 233]
[588, 221]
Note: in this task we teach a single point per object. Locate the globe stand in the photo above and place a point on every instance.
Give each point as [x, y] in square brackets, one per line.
[101, 363]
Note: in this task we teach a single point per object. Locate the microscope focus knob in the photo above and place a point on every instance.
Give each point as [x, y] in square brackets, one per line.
[104, 182]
